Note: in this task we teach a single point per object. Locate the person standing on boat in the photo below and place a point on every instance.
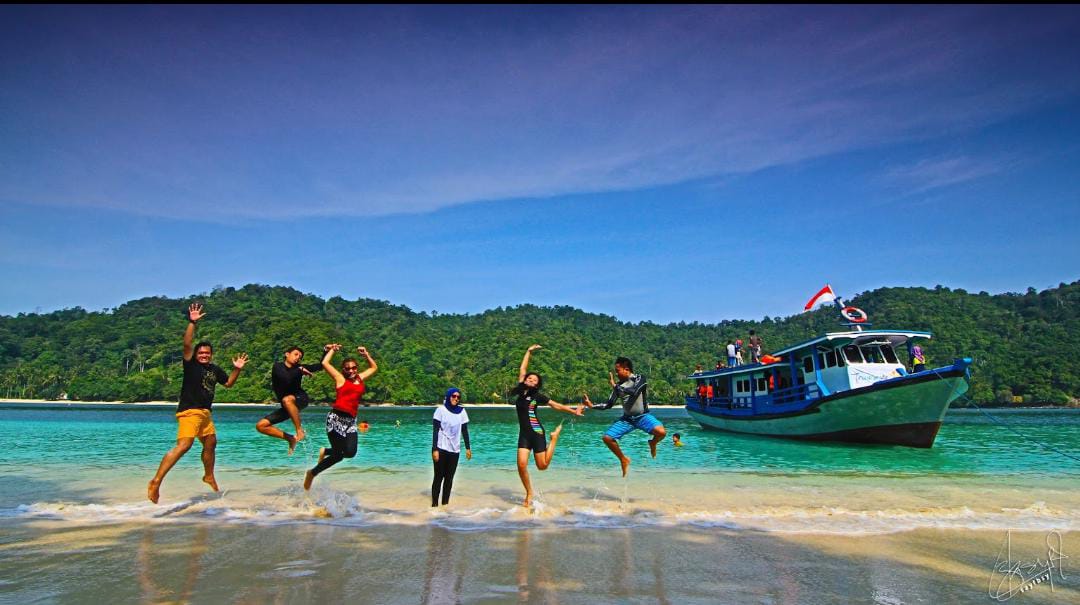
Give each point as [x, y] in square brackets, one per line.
[285, 377]
[531, 436]
[341, 421]
[918, 359]
[630, 391]
[196, 398]
[451, 425]
[731, 360]
[755, 347]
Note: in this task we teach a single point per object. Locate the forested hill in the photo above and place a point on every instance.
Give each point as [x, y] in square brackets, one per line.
[1024, 345]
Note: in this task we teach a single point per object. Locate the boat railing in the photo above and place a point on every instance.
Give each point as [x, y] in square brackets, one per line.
[794, 394]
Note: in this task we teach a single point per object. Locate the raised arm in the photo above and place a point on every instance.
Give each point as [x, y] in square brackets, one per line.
[372, 366]
[195, 313]
[238, 363]
[329, 367]
[525, 363]
[576, 411]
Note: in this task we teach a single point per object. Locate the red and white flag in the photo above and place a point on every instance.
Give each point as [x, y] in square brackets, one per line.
[824, 295]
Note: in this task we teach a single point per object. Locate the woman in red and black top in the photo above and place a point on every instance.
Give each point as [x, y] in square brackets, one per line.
[341, 421]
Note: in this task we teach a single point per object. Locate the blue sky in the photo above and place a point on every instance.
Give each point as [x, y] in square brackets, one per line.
[651, 163]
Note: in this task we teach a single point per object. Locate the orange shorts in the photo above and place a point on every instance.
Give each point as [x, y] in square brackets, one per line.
[194, 423]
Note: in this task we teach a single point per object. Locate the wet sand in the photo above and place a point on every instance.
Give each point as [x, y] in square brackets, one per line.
[212, 562]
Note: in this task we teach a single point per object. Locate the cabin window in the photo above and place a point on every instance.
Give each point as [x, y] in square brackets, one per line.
[852, 354]
[820, 361]
[839, 358]
[745, 385]
[808, 365]
[830, 359]
[722, 388]
[872, 354]
[890, 355]
[761, 387]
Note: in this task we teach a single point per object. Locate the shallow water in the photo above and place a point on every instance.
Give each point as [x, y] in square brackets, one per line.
[91, 465]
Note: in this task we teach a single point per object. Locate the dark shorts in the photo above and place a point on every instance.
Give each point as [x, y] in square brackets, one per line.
[531, 440]
[280, 415]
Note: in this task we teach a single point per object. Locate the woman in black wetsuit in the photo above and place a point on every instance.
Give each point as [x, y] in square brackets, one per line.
[531, 436]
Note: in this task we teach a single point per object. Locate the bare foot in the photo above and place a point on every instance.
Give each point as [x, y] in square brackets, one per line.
[528, 500]
[308, 478]
[152, 491]
[652, 447]
[292, 443]
[625, 462]
[209, 480]
[300, 434]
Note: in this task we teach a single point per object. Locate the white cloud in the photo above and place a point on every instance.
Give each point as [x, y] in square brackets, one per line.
[382, 112]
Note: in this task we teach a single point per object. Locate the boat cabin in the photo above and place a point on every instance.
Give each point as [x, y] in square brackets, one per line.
[807, 371]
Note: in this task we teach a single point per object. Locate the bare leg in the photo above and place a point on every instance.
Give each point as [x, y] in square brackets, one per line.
[167, 462]
[310, 475]
[523, 472]
[543, 459]
[613, 445]
[264, 427]
[289, 403]
[658, 434]
[209, 445]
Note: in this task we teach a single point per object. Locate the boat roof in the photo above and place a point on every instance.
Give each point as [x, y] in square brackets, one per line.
[890, 337]
[894, 337]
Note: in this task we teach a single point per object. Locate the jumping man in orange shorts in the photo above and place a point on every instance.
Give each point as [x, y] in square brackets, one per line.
[193, 412]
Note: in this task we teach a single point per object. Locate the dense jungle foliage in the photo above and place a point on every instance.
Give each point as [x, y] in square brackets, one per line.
[1025, 346]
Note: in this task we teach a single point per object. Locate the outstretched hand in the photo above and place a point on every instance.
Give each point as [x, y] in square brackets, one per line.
[195, 312]
[240, 361]
[362, 351]
[535, 347]
[305, 371]
[578, 411]
[611, 379]
[588, 402]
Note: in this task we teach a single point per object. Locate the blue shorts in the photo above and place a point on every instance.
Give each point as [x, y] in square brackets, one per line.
[622, 426]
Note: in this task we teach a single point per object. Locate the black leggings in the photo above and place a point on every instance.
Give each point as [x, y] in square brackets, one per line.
[444, 476]
[341, 431]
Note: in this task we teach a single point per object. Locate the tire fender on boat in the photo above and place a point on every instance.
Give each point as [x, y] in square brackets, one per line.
[854, 314]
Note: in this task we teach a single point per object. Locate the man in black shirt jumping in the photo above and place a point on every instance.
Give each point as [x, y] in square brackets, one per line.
[193, 416]
[285, 378]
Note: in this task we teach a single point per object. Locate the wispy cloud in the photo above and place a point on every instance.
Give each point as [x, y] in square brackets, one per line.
[279, 113]
[935, 173]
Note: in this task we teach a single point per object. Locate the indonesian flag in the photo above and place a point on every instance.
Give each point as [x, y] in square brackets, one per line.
[824, 295]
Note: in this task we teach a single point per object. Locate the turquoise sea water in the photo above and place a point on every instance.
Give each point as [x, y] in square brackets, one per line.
[60, 460]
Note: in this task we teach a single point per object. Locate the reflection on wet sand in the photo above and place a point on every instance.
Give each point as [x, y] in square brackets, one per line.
[303, 563]
[445, 571]
[150, 564]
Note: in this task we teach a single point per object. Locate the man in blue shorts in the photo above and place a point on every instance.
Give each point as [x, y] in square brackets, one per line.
[630, 391]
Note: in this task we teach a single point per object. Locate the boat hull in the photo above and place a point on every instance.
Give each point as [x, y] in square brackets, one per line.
[905, 412]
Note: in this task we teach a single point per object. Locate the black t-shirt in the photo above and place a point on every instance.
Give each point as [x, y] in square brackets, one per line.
[286, 380]
[527, 400]
[197, 391]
